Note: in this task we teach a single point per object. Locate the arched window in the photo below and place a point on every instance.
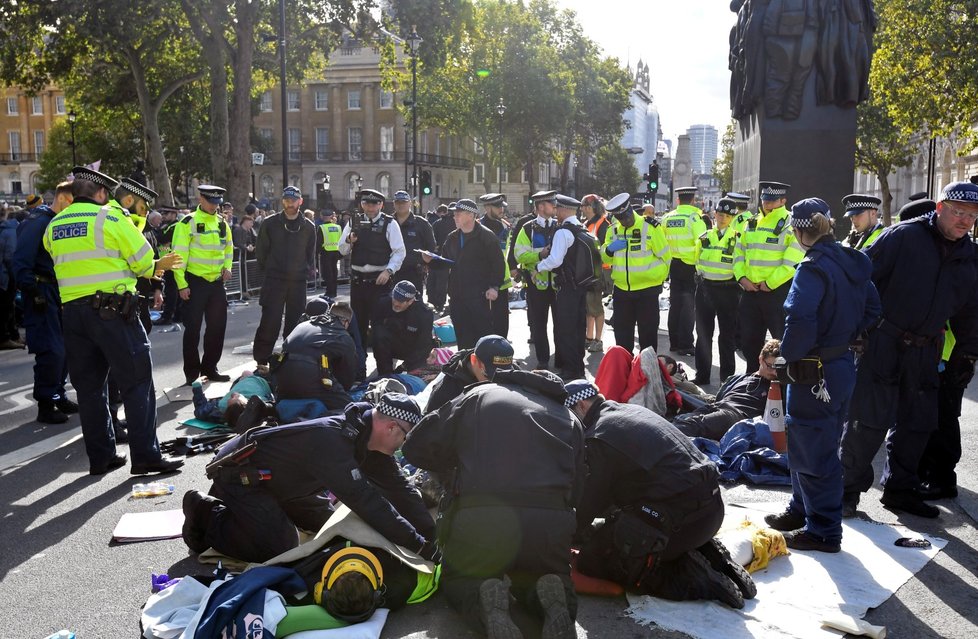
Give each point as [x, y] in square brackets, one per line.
[267, 185]
[384, 184]
[353, 184]
[295, 181]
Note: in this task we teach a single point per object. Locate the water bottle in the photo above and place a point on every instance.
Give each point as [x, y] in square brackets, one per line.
[62, 634]
[152, 489]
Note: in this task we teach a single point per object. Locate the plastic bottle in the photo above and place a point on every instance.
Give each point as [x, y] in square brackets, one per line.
[62, 634]
[152, 489]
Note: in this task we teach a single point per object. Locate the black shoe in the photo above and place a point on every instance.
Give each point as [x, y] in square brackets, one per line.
[121, 429]
[214, 376]
[686, 352]
[788, 520]
[803, 540]
[254, 414]
[164, 465]
[557, 622]
[197, 509]
[932, 490]
[118, 461]
[721, 561]
[707, 583]
[850, 501]
[66, 406]
[48, 413]
[494, 609]
[908, 501]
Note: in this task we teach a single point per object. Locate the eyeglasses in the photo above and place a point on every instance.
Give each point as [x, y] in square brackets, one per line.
[961, 214]
[402, 428]
[767, 364]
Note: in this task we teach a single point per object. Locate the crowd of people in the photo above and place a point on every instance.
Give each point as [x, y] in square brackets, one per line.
[875, 338]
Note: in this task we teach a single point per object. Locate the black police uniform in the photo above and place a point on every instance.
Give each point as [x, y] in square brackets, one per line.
[477, 266]
[541, 302]
[570, 310]
[286, 252]
[417, 234]
[171, 292]
[371, 248]
[438, 271]
[665, 493]
[406, 335]
[514, 488]
[456, 375]
[500, 312]
[320, 362]
[283, 484]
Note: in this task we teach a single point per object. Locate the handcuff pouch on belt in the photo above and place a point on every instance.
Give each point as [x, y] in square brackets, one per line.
[807, 371]
[115, 305]
[232, 463]
[639, 535]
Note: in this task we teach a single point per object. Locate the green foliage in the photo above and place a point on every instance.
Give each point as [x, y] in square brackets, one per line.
[723, 165]
[881, 147]
[614, 172]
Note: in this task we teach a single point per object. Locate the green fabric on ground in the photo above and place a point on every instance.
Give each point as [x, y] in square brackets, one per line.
[201, 424]
[312, 617]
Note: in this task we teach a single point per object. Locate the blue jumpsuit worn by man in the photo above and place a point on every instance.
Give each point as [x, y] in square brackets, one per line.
[98, 254]
[34, 273]
[273, 480]
[897, 378]
[832, 300]
[203, 240]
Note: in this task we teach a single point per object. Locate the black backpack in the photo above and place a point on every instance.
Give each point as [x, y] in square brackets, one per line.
[582, 264]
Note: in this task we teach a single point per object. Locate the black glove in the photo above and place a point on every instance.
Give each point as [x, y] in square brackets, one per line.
[429, 550]
[959, 371]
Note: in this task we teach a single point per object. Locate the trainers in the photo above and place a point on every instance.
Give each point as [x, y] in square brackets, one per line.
[908, 501]
[721, 561]
[117, 461]
[788, 520]
[803, 540]
[66, 406]
[494, 609]
[557, 622]
[164, 465]
[197, 508]
[48, 413]
[595, 346]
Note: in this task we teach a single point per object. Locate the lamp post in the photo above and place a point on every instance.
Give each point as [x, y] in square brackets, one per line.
[500, 111]
[414, 41]
[71, 123]
[326, 193]
[281, 74]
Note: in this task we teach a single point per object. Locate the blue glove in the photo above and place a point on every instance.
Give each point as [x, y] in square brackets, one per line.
[617, 245]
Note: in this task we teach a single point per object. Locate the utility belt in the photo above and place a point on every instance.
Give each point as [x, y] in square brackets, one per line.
[716, 283]
[907, 338]
[111, 305]
[45, 279]
[512, 499]
[359, 277]
[322, 363]
[232, 467]
[809, 370]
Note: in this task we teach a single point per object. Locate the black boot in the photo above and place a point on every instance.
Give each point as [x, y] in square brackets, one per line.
[690, 577]
[788, 520]
[66, 406]
[253, 415]
[197, 509]
[48, 413]
[721, 561]
[121, 430]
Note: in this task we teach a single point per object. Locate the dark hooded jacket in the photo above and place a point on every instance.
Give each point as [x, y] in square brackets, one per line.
[456, 375]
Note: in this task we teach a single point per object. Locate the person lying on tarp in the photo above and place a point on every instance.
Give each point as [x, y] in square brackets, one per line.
[227, 409]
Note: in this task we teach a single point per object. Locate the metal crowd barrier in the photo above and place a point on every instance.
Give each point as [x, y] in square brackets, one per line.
[254, 278]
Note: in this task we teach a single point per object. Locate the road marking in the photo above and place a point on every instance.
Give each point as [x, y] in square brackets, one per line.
[19, 397]
[35, 450]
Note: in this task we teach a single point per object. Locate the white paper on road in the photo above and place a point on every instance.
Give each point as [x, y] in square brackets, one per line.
[148, 526]
[796, 592]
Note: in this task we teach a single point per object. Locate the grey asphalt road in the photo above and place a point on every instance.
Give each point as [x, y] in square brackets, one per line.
[58, 568]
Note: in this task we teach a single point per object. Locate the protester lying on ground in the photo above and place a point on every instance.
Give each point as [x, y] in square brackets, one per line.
[468, 366]
[693, 395]
[740, 397]
[272, 481]
[227, 409]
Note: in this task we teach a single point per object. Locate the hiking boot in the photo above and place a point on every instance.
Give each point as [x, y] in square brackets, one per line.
[908, 501]
[66, 406]
[494, 609]
[117, 461]
[710, 584]
[197, 509]
[788, 520]
[121, 428]
[804, 540]
[557, 622]
[164, 465]
[850, 501]
[48, 413]
[721, 561]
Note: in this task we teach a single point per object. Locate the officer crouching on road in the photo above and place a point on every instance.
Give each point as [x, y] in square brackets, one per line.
[272, 481]
[667, 503]
[402, 329]
[98, 254]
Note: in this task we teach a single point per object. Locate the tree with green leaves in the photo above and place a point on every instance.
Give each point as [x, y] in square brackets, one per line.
[723, 165]
[881, 148]
[614, 172]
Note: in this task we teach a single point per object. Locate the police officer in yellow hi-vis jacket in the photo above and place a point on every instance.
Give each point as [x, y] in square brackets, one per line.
[98, 254]
[683, 228]
[203, 240]
[764, 265]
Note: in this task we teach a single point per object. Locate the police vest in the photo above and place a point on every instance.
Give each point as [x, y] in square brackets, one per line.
[331, 236]
[644, 262]
[581, 266]
[739, 223]
[868, 239]
[202, 239]
[767, 250]
[683, 228]
[533, 236]
[371, 247]
[716, 258]
[95, 249]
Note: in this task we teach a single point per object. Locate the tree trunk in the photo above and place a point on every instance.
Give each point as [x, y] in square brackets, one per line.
[239, 120]
[153, 144]
[530, 173]
[218, 110]
[887, 198]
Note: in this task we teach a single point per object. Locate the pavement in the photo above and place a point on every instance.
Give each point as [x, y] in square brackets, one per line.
[59, 569]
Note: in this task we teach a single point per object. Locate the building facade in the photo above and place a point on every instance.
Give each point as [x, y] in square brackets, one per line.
[642, 136]
[703, 145]
[25, 122]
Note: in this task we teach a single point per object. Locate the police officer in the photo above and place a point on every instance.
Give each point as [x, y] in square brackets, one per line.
[138, 199]
[573, 259]
[376, 250]
[764, 263]
[402, 329]
[437, 270]
[897, 378]
[532, 238]
[639, 255]
[831, 301]
[98, 255]
[717, 295]
[33, 271]
[863, 212]
[664, 498]
[495, 220]
[469, 366]
[257, 504]
[203, 241]
[743, 214]
[683, 227]
[286, 252]
[329, 251]
[417, 234]
[517, 453]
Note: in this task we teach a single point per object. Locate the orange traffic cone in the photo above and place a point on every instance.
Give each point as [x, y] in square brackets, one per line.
[774, 417]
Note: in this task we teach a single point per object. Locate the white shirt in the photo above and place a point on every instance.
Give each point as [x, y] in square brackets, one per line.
[562, 241]
[394, 238]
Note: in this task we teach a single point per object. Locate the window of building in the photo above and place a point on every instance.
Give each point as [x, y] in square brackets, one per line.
[322, 99]
[352, 185]
[15, 184]
[355, 148]
[438, 145]
[12, 106]
[292, 99]
[38, 143]
[384, 184]
[295, 143]
[267, 185]
[295, 181]
[265, 134]
[437, 185]
[322, 143]
[37, 105]
[386, 100]
[265, 105]
[477, 148]
[13, 137]
[478, 173]
[423, 142]
[353, 99]
[59, 105]
[386, 143]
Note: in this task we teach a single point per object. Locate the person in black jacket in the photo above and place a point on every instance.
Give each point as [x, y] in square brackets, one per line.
[438, 271]
[260, 498]
[665, 504]
[517, 456]
[402, 329]
[286, 252]
[469, 366]
[417, 234]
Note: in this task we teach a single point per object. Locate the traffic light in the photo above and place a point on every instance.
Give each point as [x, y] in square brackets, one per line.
[426, 183]
[653, 178]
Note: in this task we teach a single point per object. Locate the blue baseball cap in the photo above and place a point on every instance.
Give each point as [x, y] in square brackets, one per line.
[402, 196]
[291, 193]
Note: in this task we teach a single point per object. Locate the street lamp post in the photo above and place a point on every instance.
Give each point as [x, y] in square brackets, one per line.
[500, 111]
[414, 41]
[71, 123]
[281, 73]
